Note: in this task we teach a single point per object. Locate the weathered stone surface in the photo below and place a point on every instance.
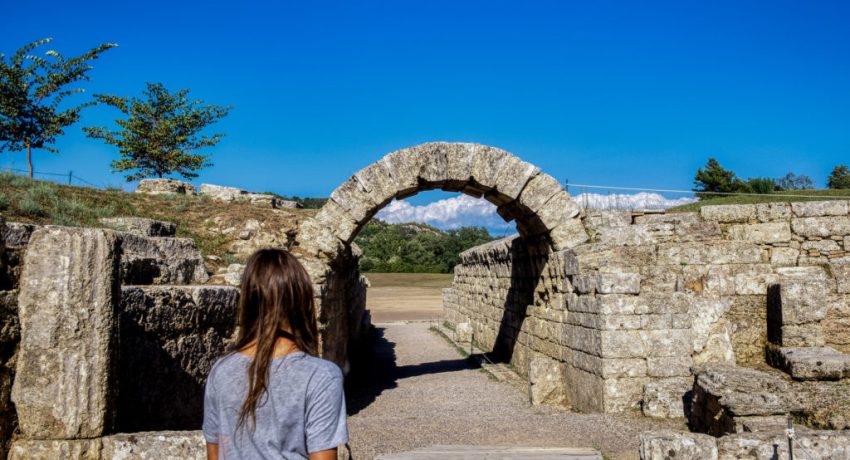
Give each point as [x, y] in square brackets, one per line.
[546, 378]
[814, 363]
[172, 336]
[9, 338]
[773, 444]
[723, 394]
[723, 252]
[740, 213]
[677, 218]
[618, 283]
[64, 386]
[822, 227]
[665, 398]
[677, 445]
[17, 235]
[771, 212]
[764, 233]
[637, 234]
[820, 208]
[796, 305]
[140, 226]
[568, 235]
[230, 194]
[463, 332]
[487, 165]
[165, 445]
[165, 186]
[784, 257]
[146, 260]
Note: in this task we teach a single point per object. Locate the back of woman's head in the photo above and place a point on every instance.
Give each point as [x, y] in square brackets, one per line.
[276, 300]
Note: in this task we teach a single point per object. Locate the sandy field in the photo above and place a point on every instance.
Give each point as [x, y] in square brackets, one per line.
[406, 296]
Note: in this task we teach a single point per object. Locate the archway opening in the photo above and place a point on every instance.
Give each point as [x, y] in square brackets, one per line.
[546, 220]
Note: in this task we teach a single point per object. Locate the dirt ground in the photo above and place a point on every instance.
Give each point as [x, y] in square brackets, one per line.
[406, 296]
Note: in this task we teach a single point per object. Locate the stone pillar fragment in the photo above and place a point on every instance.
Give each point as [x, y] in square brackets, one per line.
[67, 304]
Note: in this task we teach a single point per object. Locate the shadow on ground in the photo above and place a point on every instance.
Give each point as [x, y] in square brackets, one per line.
[376, 370]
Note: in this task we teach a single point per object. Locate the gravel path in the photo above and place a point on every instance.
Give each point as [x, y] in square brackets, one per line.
[417, 391]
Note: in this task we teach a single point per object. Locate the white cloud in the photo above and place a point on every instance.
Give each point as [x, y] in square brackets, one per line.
[641, 200]
[464, 210]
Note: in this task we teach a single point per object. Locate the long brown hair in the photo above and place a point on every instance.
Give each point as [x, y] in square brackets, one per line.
[276, 300]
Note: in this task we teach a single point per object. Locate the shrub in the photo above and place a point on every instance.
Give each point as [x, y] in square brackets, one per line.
[30, 206]
[761, 185]
[4, 202]
[840, 178]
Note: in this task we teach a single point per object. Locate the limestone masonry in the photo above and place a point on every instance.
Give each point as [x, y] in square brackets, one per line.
[733, 319]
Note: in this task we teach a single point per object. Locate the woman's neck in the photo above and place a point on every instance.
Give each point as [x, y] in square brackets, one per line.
[282, 347]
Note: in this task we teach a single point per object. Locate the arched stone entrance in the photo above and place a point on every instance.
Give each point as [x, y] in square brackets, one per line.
[547, 220]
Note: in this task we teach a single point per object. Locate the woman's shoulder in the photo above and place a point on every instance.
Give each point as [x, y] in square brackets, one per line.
[224, 364]
[319, 367]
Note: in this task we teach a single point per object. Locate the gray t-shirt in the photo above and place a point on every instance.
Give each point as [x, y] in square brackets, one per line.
[302, 412]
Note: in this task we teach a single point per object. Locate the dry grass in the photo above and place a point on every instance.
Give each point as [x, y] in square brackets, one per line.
[799, 195]
[41, 202]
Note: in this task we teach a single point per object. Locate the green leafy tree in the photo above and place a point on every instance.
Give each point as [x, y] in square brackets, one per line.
[161, 131]
[715, 178]
[32, 91]
[840, 178]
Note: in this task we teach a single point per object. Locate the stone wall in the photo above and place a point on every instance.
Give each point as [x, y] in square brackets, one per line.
[90, 357]
[651, 295]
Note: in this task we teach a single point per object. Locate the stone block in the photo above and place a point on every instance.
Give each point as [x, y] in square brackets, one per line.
[671, 366]
[547, 381]
[677, 445]
[514, 175]
[813, 363]
[820, 208]
[568, 235]
[784, 257]
[165, 445]
[463, 332]
[538, 191]
[17, 235]
[558, 210]
[729, 214]
[676, 218]
[623, 367]
[487, 165]
[698, 231]
[233, 194]
[403, 166]
[762, 233]
[376, 178]
[821, 246]
[432, 158]
[842, 278]
[146, 260]
[773, 444]
[623, 394]
[172, 335]
[140, 226]
[667, 343]
[184, 445]
[771, 212]
[165, 186]
[333, 217]
[822, 227]
[724, 393]
[356, 200]
[618, 283]
[65, 383]
[665, 398]
[723, 252]
[459, 165]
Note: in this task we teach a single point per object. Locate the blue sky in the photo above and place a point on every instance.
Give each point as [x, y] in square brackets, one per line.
[613, 93]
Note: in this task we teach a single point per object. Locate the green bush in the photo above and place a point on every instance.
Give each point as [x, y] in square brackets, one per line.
[762, 185]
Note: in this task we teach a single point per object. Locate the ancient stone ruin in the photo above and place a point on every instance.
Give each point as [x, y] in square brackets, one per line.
[734, 319]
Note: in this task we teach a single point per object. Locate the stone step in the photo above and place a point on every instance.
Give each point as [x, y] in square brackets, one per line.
[160, 260]
[812, 363]
[495, 452]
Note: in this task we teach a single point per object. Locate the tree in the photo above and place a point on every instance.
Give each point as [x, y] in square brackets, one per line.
[160, 132]
[32, 88]
[840, 177]
[715, 178]
[792, 181]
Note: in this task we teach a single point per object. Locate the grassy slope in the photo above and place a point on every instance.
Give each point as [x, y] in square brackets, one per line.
[799, 195]
[40, 202]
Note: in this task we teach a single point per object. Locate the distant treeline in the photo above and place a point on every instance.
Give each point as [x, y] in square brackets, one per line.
[415, 248]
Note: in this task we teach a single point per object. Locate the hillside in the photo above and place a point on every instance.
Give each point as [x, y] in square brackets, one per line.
[226, 231]
[799, 195]
[417, 248]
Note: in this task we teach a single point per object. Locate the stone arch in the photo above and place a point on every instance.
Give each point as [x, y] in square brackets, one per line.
[543, 211]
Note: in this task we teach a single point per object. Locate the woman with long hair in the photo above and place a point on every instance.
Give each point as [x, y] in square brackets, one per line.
[270, 397]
